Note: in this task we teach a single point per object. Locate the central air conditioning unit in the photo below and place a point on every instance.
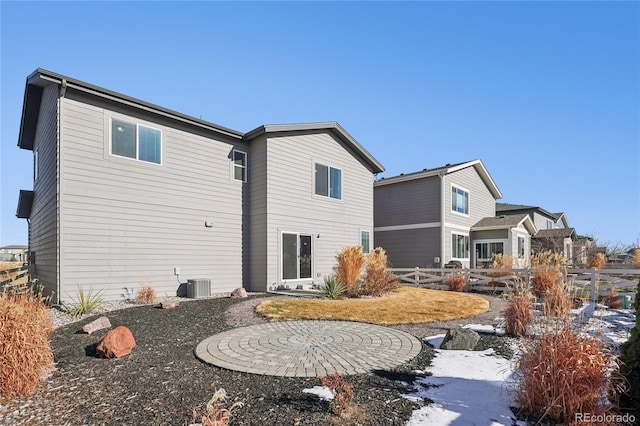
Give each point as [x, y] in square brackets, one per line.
[199, 287]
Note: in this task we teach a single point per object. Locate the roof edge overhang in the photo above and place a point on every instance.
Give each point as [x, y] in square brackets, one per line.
[25, 202]
[441, 171]
[41, 78]
[330, 126]
[526, 221]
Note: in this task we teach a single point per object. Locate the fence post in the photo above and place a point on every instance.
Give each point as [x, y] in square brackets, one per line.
[467, 279]
[417, 276]
[594, 285]
[527, 278]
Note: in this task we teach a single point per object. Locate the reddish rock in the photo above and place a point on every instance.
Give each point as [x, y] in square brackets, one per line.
[239, 293]
[97, 324]
[116, 343]
[169, 304]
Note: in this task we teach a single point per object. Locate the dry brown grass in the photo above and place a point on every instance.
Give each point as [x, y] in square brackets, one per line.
[378, 280]
[351, 260]
[557, 302]
[146, 295]
[635, 258]
[597, 261]
[563, 373]
[456, 282]
[216, 414]
[544, 282]
[342, 393]
[498, 261]
[548, 259]
[406, 305]
[613, 299]
[518, 315]
[25, 353]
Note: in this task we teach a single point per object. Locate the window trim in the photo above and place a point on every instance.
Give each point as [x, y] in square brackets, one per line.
[468, 246]
[138, 124]
[329, 168]
[453, 185]
[524, 246]
[281, 278]
[244, 166]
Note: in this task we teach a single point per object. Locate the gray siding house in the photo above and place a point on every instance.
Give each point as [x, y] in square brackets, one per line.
[431, 217]
[127, 193]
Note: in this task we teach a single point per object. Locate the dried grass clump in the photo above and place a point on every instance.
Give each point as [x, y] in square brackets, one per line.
[597, 261]
[564, 373]
[456, 282]
[215, 413]
[146, 295]
[25, 353]
[613, 299]
[543, 282]
[557, 302]
[378, 280]
[635, 258]
[518, 315]
[342, 392]
[548, 259]
[349, 268]
[499, 261]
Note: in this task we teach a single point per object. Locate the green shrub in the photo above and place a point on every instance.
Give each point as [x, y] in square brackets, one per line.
[85, 302]
[630, 366]
[332, 288]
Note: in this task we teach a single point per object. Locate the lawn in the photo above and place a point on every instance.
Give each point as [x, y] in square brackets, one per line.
[406, 305]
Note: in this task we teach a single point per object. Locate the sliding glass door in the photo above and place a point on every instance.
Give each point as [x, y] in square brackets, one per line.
[296, 256]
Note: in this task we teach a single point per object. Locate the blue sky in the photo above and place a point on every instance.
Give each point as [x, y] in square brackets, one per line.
[546, 94]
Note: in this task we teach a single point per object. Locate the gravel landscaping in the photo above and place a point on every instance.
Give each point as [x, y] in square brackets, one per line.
[161, 381]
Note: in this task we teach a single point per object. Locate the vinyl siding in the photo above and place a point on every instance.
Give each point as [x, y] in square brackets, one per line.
[128, 223]
[292, 205]
[410, 202]
[257, 215]
[411, 248]
[481, 204]
[43, 228]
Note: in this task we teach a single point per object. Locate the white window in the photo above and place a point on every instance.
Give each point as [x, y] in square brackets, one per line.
[521, 242]
[484, 251]
[459, 200]
[328, 181]
[365, 241]
[549, 224]
[459, 246]
[239, 165]
[136, 141]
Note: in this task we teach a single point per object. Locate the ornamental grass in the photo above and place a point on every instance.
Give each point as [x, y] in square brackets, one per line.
[518, 315]
[25, 353]
[563, 373]
[378, 280]
[350, 260]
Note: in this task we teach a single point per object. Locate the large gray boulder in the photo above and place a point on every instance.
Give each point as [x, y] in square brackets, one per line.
[460, 339]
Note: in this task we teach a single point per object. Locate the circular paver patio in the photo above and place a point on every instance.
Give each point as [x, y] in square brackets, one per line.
[309, 348]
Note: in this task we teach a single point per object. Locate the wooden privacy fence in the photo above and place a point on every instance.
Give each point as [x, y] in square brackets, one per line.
[12, 273]
[590, 283]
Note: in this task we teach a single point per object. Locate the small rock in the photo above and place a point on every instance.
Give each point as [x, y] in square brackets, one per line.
[97, 324]
[460, 339]
[116, 343]
[169, 304]
[239, 293]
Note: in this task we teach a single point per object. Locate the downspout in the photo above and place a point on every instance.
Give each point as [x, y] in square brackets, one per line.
[61, 94]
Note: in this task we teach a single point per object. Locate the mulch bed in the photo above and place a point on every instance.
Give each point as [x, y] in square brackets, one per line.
[161, 381]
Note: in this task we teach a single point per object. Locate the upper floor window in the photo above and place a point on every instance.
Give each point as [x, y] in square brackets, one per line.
[459, 246]
[549, 224]
[136, 141]
[328, 181]
[459, 200]
[240, 165]
[365, 241]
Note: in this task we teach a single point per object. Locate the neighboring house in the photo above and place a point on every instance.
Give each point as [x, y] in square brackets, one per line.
[127, 193]
[15, 253]
[554, 232]
[432, 217]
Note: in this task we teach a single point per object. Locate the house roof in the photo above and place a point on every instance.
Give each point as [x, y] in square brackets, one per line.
[331, 126]
[41, 78]
[557, 233]
[507, 208]
[505, 222]
[444, 170]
